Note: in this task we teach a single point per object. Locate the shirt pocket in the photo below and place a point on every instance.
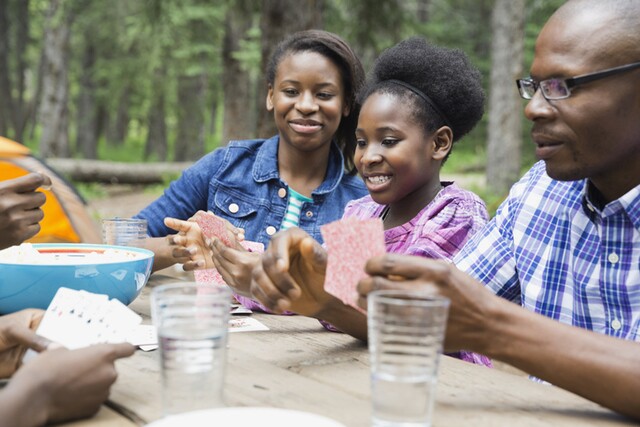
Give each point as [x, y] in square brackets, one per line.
[236, 208]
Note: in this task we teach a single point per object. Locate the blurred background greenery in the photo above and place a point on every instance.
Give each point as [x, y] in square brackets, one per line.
[169, 80]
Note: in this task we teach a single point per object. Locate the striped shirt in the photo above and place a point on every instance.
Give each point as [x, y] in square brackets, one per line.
[550, 249]
[292, 215]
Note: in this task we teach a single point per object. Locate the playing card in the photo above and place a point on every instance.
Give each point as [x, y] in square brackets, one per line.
[210, 276]
[213, 226]
[77, 319]
[350, 243]
[246, 324]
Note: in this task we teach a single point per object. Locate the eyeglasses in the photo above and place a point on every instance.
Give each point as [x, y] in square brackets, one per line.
[553, 89]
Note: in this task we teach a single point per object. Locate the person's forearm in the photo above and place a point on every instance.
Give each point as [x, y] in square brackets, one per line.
[600, 368]
[345, 318]
[22, 405]
[163, 257]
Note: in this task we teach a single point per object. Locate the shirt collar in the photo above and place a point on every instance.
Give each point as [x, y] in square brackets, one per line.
[629, 203]
[266, 166]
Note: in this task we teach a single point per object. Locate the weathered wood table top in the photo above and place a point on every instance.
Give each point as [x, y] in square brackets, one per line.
[298, 365]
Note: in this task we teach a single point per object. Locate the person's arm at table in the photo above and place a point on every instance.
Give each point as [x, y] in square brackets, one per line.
[598, 367]
[20, 211]
[291, 277]
[61, 385]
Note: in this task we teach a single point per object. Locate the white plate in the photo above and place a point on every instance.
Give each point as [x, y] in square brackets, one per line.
[246, 416]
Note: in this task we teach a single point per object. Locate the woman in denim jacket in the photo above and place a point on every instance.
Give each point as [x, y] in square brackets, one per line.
[313, 77]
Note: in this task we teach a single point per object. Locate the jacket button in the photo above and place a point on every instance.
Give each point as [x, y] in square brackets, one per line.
[271, 230]
[282, 193]
[233, 208]
[309, 214]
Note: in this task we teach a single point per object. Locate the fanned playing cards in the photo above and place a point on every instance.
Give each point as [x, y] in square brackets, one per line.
[213, 226]
[350, 243]
[77, 319]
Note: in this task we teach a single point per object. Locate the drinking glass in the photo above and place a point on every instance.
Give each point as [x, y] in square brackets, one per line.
[124, 231]
[192, 327]
[406, 333]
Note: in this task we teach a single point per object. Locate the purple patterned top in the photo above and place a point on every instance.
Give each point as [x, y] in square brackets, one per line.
[438, 231]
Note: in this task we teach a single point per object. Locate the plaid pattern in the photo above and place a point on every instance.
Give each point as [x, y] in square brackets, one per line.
[552, 251]
[438, 231]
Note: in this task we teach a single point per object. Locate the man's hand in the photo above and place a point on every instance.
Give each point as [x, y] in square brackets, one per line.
[472, 306]
[61, 385]
[16, 336]
[20, 211]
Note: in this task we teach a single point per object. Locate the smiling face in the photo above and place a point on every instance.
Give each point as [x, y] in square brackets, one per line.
[595, 133]
[399, 163]
[307, 100]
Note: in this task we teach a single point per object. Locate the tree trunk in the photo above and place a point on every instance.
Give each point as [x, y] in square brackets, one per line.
[86, 138]
[118, 128]
[21, 108]
[505, 121]
[83, 170]
[156, 144]
[54, 111]
[280, 18]
[238, 122]
[422, 10]
[191, 100]
[6, 109]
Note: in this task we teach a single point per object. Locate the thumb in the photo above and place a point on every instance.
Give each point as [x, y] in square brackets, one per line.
[313, 251]
[24, 336]
[123, 349]
[113, 352]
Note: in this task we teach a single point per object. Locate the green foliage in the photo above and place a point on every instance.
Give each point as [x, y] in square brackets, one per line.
[136, 40]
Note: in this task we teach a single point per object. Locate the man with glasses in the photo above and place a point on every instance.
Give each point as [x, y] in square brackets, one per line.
[565, 244]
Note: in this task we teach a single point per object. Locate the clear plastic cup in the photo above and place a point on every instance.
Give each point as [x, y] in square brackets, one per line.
[406, 333]
[192, 327]
[124, 231]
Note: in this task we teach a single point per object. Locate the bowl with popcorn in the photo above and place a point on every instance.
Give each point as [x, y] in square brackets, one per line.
[31, 274]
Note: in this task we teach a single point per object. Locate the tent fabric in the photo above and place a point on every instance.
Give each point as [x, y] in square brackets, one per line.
[66, 218]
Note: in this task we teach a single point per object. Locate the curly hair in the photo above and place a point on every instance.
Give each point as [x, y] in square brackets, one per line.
[338, 51]
[445, 76]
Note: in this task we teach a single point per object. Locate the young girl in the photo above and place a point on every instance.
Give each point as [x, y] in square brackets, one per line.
[418, 101]
[302, 176]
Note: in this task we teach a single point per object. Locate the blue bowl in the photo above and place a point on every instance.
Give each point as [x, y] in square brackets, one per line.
[92, 268]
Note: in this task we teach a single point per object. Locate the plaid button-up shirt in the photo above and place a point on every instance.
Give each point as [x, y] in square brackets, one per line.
[552, 251]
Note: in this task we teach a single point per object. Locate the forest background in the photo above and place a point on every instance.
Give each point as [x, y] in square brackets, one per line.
[147, 81]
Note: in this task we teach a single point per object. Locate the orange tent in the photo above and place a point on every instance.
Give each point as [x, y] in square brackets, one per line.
[65, 215]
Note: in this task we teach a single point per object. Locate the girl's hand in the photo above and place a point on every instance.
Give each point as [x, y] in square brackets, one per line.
[235, 265]
[291, 275]
[189, 247]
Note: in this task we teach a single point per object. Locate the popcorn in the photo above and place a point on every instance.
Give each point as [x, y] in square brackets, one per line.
[27, 254]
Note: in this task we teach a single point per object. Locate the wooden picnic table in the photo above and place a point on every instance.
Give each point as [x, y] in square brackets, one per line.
[297, 364]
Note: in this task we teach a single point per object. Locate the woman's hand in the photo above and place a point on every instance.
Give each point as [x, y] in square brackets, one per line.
[190, 247]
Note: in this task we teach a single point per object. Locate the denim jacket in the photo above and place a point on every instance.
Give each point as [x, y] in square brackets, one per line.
[241, 183]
